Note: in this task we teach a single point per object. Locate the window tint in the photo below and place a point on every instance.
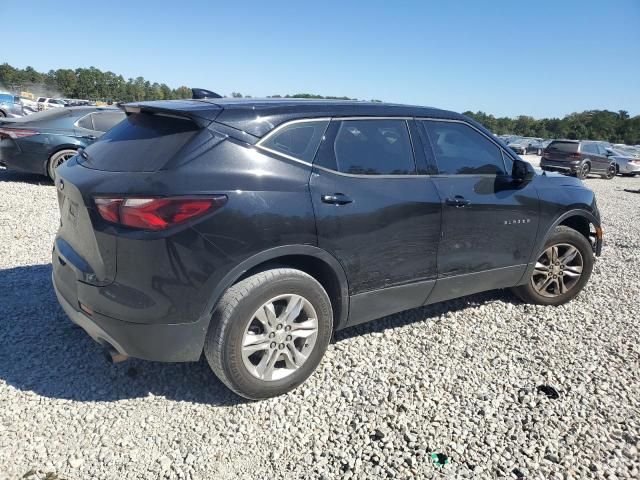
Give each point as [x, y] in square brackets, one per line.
[590, 148]
[140, 143]
[560, 146]
[299, 140]
[86, 122]
[374, 147]
[602, 150]
[103, 121]
[462, 150]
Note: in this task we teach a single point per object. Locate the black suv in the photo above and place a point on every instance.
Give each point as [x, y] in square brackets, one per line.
[579, 158]
[252, 230]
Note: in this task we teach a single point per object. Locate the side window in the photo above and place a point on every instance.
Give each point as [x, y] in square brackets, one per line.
[299, 140]
[374, 147]
[589, 148]
[461, 150]
[86, 122]
[601, 150]
[104, 121]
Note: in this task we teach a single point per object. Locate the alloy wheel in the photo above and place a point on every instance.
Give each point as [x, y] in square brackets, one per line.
[279, 337]
[57, 161]
[557, 270]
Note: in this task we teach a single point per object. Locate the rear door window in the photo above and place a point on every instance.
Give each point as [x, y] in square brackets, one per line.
[461, 150]
[374, 147]
[590, 148]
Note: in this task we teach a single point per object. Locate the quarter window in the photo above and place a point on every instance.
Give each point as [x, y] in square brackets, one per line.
[461, 150]
[299, 140]
[86, 122]
[374, 147]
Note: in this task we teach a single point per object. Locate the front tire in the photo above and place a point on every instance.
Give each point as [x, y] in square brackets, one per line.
[58, 159]
[263, 340]
[561, 271]
[611, 172]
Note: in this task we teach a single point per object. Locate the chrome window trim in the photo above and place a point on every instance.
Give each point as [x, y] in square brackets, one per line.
[259, 145]
[451, 120]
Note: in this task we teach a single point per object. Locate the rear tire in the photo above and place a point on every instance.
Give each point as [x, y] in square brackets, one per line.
[254, 347]
[584, 170]
[555, 281]
[58, 159]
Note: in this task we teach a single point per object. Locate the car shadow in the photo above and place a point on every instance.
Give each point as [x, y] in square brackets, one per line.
[426, 313]
[32, 178]
[42, 351]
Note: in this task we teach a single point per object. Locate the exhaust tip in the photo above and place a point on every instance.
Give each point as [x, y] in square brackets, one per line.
[113, 356]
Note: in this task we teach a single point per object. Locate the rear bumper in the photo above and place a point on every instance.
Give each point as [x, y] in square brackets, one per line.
[565, 167]
[181, 342]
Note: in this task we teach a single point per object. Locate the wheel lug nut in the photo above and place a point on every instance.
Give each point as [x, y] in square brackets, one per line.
[287, 328]
[279, 326]
[273, 345]
[272, 334]
[289, 337]
[281, 346]
[555, 276]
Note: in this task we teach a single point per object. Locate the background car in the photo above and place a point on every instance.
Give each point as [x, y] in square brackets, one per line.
[10, 105]
[40, 142]
[626, 163]
[579, 158]
[525, 146]
[45, 103]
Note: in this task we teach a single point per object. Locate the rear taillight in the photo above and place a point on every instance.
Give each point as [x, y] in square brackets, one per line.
[17, 133]
[155, 213]
[574, 155]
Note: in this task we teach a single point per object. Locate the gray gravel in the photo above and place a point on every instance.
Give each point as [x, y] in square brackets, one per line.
[460, 379]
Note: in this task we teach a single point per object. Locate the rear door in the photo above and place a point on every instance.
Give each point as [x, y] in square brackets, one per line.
[489, 222]
[603, 158]
[591, 154]
[374, 213]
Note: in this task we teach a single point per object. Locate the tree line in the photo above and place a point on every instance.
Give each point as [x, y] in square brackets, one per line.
[614, 127]
[94, 84]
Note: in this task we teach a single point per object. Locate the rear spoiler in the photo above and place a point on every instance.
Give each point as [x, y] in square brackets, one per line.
[201, 93]
[202, 113]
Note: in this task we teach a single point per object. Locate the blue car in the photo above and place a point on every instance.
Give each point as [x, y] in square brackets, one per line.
[40, 142]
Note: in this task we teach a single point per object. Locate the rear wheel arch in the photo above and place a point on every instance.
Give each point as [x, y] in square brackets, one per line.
[314, 261]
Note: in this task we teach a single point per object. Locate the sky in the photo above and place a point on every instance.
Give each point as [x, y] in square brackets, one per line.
[539, 57]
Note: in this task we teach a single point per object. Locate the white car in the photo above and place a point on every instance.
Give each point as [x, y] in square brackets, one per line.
[45, 103]
[627, 161]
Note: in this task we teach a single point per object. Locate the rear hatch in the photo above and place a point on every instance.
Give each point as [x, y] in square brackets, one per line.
[145, 142]
[562, 151]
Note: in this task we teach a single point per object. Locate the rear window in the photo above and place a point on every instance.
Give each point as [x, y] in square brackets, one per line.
[142, 142]
[563, 146]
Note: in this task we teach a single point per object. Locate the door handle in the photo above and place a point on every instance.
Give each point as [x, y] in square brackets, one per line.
[458, 201]
[336, 199]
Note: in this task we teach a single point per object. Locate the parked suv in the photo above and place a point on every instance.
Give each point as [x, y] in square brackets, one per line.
[579, 158]
[252, 230]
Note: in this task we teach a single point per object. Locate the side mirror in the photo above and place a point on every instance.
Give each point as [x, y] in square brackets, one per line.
[522, 171]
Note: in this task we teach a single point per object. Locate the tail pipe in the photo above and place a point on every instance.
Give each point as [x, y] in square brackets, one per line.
[113, 356]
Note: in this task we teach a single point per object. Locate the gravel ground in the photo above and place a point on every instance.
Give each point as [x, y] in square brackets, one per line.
[486, 386]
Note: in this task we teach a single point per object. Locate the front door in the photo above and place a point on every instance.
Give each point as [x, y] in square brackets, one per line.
[373, 212]
[489, 221]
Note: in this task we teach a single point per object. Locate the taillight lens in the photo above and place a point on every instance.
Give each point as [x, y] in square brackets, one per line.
[17, 133]
[574, 155]
[155, 213]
